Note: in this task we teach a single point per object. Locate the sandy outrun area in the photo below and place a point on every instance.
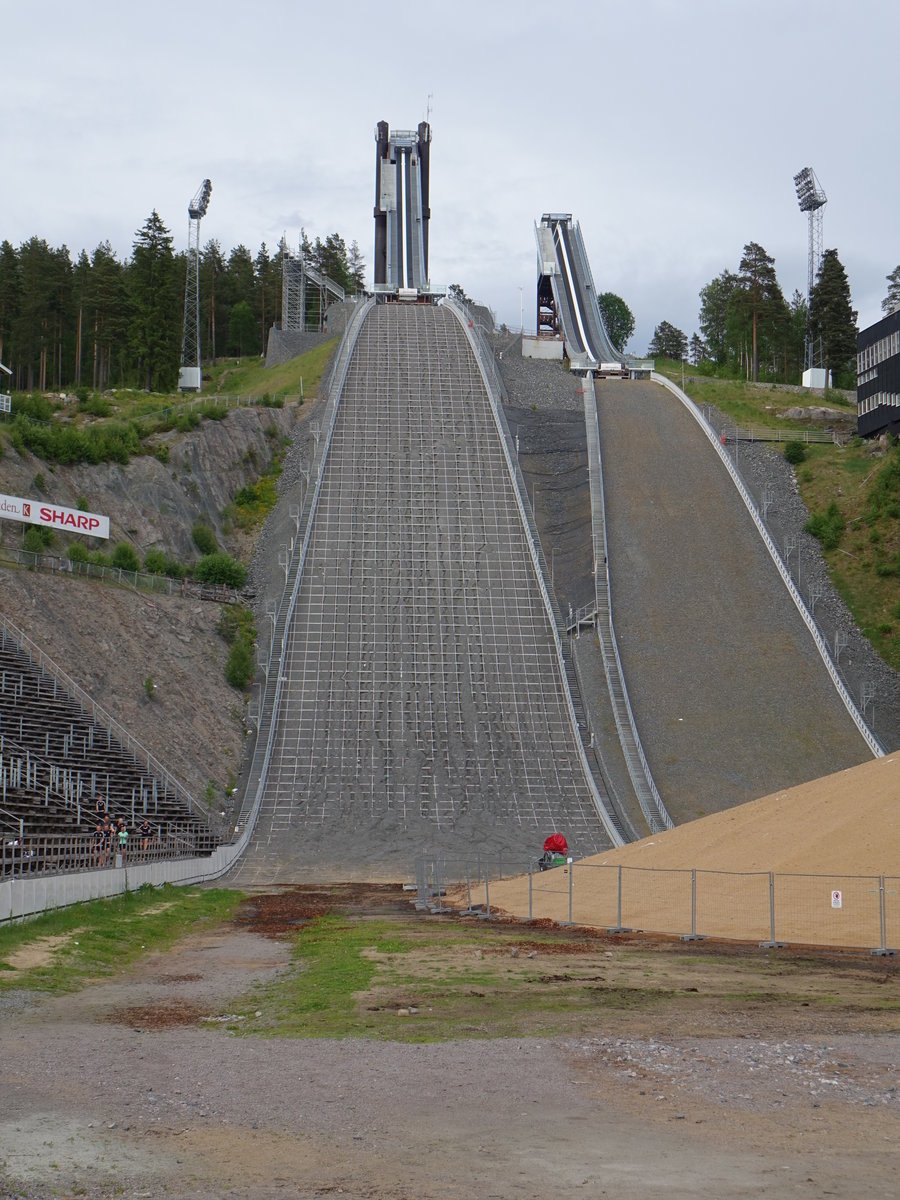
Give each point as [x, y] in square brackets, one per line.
[828, 845]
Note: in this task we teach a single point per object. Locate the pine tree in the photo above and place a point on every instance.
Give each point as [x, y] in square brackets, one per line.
[212, 266]
[891, 302]
[761, 292]
[832, 320]
[10, 298]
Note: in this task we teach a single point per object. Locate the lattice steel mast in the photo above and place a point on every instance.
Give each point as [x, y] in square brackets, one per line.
[812, 200]
[190, 377]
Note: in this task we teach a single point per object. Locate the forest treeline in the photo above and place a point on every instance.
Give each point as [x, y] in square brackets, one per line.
[749, 329]
[101, 322]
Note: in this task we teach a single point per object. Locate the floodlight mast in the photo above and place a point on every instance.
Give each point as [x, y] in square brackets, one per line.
[811, 199]
[190, 377]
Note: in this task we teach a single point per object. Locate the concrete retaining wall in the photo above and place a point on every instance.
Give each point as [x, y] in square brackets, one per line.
[25, 897]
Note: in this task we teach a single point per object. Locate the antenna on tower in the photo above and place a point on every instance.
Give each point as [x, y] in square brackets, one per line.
[190, 376]
[812, 200]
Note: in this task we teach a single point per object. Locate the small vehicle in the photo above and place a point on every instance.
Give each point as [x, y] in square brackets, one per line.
[556, 852]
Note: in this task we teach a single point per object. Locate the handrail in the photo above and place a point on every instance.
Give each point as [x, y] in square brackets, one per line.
[870, 739]
[487, 365]
[100, 716]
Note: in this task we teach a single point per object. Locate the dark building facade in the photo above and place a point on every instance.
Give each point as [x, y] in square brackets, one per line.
[878, 377]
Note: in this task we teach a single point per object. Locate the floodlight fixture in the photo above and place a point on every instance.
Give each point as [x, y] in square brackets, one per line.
[810, 195]
[200, 203]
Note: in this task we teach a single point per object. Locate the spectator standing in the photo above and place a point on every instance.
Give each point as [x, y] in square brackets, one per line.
[145, 829]
[122, 837]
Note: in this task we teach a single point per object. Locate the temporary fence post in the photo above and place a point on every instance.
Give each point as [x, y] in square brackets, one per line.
[883, 951]
[421, 883]
[570, 864]
[500, 864]
[468, 911]
[486, 915]
[693, 936]
[771, 944]
[530, 890]
[618, 927]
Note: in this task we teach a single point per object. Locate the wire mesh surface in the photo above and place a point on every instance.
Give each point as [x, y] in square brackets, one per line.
[422, 692]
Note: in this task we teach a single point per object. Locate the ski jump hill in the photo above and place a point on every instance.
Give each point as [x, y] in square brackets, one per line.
[420, 694]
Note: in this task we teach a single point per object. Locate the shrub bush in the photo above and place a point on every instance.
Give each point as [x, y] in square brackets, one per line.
[794, 452]
[158, 563]
[36, 407]
[37, 539]
[240, 669]
[78, 553]
[214, 412]
[125, 558]
[95, 406]
[827, 526]
[236, 622]
[204, 538]
[221, 568]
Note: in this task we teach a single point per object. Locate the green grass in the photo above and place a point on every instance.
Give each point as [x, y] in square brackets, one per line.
[118, 424]
[356, 978]
[251, 377]
[100, 937]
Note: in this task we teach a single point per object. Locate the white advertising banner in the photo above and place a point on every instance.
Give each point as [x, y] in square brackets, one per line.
[69, 520]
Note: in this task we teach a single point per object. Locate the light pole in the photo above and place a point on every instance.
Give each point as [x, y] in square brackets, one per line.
[682, 372]
[521, 310]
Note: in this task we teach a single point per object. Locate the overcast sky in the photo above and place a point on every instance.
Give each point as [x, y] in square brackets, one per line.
[670, 129]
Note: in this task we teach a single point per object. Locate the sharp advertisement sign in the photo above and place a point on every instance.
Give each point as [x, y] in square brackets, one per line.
[69, 520]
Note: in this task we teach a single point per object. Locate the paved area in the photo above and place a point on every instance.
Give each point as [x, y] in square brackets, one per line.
[730, 696]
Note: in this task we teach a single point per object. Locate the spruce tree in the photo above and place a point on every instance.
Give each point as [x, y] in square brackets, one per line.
[668, 342]
[156, 324]
[832, 320]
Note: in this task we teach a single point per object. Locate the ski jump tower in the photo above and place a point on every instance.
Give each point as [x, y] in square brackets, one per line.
[190, 376]
[402, 163]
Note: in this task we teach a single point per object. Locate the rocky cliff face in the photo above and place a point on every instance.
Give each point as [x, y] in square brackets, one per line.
[154, 504]
[110, 640]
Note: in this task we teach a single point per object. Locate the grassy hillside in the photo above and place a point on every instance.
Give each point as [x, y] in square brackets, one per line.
[853, 490]
[114, 425]
[252, 377]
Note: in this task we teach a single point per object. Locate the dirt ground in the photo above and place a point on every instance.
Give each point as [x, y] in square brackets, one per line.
[132, 1088]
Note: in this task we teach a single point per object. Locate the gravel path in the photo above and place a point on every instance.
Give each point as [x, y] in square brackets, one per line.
[131, 1088]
